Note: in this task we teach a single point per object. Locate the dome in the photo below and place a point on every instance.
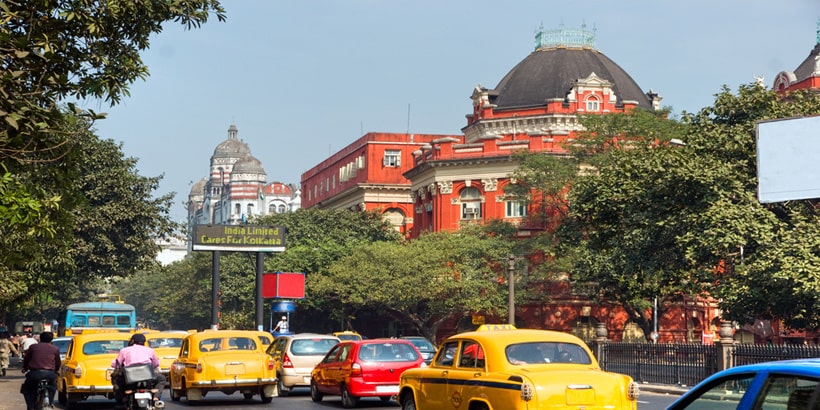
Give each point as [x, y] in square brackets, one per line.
[198, 189]
[809, 66]
[550, 73]
[278, 188]
[247, 165]
[232, 147]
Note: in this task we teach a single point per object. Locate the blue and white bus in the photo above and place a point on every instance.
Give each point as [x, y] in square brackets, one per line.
[88, 317]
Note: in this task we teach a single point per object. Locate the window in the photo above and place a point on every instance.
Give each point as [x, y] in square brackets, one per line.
[392, 158]
[516, 209]
[238, 209]
[281, 209]
[250, 209]
[592, 105]
[271, 209]
[470, 203]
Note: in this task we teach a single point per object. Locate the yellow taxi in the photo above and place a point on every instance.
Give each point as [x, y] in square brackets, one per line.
[348, 335]
[86, 370]
[166, 345]
[226, 361]
[501, 367]
[265, 337]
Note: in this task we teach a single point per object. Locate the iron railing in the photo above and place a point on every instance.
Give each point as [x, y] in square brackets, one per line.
[681, 364]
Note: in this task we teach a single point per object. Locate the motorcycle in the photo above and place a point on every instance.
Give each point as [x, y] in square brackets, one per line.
[140, 389]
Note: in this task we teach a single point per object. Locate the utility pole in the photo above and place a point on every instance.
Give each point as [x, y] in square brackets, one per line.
[511, 284]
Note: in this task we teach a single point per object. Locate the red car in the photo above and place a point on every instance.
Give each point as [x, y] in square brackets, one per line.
[363, 368]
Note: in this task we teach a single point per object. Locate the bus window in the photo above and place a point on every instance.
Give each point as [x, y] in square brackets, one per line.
[108, 321]
[94, 321]
[123, 321]
[78, 321]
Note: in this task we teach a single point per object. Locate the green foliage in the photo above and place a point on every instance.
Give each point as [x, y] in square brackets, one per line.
[423, 282]
[658, 220]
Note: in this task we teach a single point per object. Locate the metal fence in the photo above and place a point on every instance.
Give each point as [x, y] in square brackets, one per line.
[748, 354]
[686, 364]
[682, 364]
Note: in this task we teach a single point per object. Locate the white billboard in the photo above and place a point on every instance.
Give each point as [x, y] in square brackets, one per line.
[788, 159]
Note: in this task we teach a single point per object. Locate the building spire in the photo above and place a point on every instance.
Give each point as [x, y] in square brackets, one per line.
[580, 38]
[818, 30]
[232, 132]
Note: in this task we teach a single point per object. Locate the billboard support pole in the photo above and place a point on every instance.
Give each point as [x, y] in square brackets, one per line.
[215, 302]
[260, 312]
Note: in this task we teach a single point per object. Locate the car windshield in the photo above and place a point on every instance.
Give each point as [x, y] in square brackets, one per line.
[103, 347]
[165, 342]
[388, 352]
[423, 345]
[546, 352]
[229, 343]
[312, 347]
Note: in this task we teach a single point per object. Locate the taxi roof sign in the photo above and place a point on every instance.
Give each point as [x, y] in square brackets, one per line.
[483, 328]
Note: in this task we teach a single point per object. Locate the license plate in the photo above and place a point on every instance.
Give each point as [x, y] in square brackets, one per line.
[387, 389]
[234, 369]
[143, 395]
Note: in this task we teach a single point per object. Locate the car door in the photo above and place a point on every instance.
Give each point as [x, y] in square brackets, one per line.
[322, 373]
[465, 379]
[433, 389]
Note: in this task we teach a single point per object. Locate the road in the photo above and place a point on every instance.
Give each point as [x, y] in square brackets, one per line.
[299, 399]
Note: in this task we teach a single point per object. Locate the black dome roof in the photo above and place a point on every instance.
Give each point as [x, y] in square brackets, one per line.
[550, 73]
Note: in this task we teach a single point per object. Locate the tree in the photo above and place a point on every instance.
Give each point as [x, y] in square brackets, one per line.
[54, 52]
[660, 220]
[109, 222]
[424, 282]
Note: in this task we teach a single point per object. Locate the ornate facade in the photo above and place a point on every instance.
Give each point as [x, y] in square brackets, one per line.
[236, 189]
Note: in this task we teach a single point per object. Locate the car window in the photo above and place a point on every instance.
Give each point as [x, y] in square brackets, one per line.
[447, 354]
[546, 352]
[183, 352]
[241, 343]
[311, 347]
[722, 394]
[388, 352]
[331, 356]
[795, 391]
[210, 345]
[472, 355]
[103, 347]
[165, 342]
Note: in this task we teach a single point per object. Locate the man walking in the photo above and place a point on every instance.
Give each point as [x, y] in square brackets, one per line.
[6, 349]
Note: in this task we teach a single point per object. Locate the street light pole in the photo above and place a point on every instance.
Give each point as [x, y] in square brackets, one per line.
[511, 284]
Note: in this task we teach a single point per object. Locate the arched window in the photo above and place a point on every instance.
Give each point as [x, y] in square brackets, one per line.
[282, 209]
[271, 209]
[593, 105]
[470, 203]
[250, 209]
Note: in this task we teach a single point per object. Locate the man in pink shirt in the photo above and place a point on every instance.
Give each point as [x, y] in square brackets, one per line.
[135, 353]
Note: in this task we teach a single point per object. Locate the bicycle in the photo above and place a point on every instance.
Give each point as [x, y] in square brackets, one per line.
[42, 402]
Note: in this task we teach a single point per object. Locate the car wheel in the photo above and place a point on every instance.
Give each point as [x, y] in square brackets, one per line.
[349, 401]
[384, 398]
[266, 399]
[247, 396]
[62, 398]
[315, 394]
[281, 390]
[175, 394]
[408, 403]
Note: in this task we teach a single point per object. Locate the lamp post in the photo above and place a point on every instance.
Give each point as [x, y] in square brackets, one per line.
[511, 284]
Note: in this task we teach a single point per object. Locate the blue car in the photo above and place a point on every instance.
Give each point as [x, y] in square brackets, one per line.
[785, 384]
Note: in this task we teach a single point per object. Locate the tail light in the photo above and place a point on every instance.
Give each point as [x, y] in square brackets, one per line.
[633, 391]
[78, 372]
[199, 367]
[286, 363]
[527, 391]
[271, 363]
[356, 369]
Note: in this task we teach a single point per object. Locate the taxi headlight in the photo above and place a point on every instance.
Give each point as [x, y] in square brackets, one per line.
[78, 371]
[526, 391]
[633, 391]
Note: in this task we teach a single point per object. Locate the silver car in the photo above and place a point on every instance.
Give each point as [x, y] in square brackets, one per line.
[296, 355]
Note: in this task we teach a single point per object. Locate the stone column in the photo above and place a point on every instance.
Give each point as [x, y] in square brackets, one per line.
[725, 344]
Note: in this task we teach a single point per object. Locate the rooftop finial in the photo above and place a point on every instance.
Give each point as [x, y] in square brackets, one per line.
[818, 30]
[581, 38]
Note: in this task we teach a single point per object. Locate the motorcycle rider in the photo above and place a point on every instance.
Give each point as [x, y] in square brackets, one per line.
[135, 353]
[42, 361]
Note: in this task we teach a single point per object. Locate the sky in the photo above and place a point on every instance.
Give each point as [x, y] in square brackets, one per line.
[302, 79]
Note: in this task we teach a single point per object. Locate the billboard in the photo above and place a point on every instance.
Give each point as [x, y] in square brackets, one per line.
[788, 159]
[285, 285]
[239, 238]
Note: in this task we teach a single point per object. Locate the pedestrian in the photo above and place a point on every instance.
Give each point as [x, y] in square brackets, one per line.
[282, 326]
[6, 349]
